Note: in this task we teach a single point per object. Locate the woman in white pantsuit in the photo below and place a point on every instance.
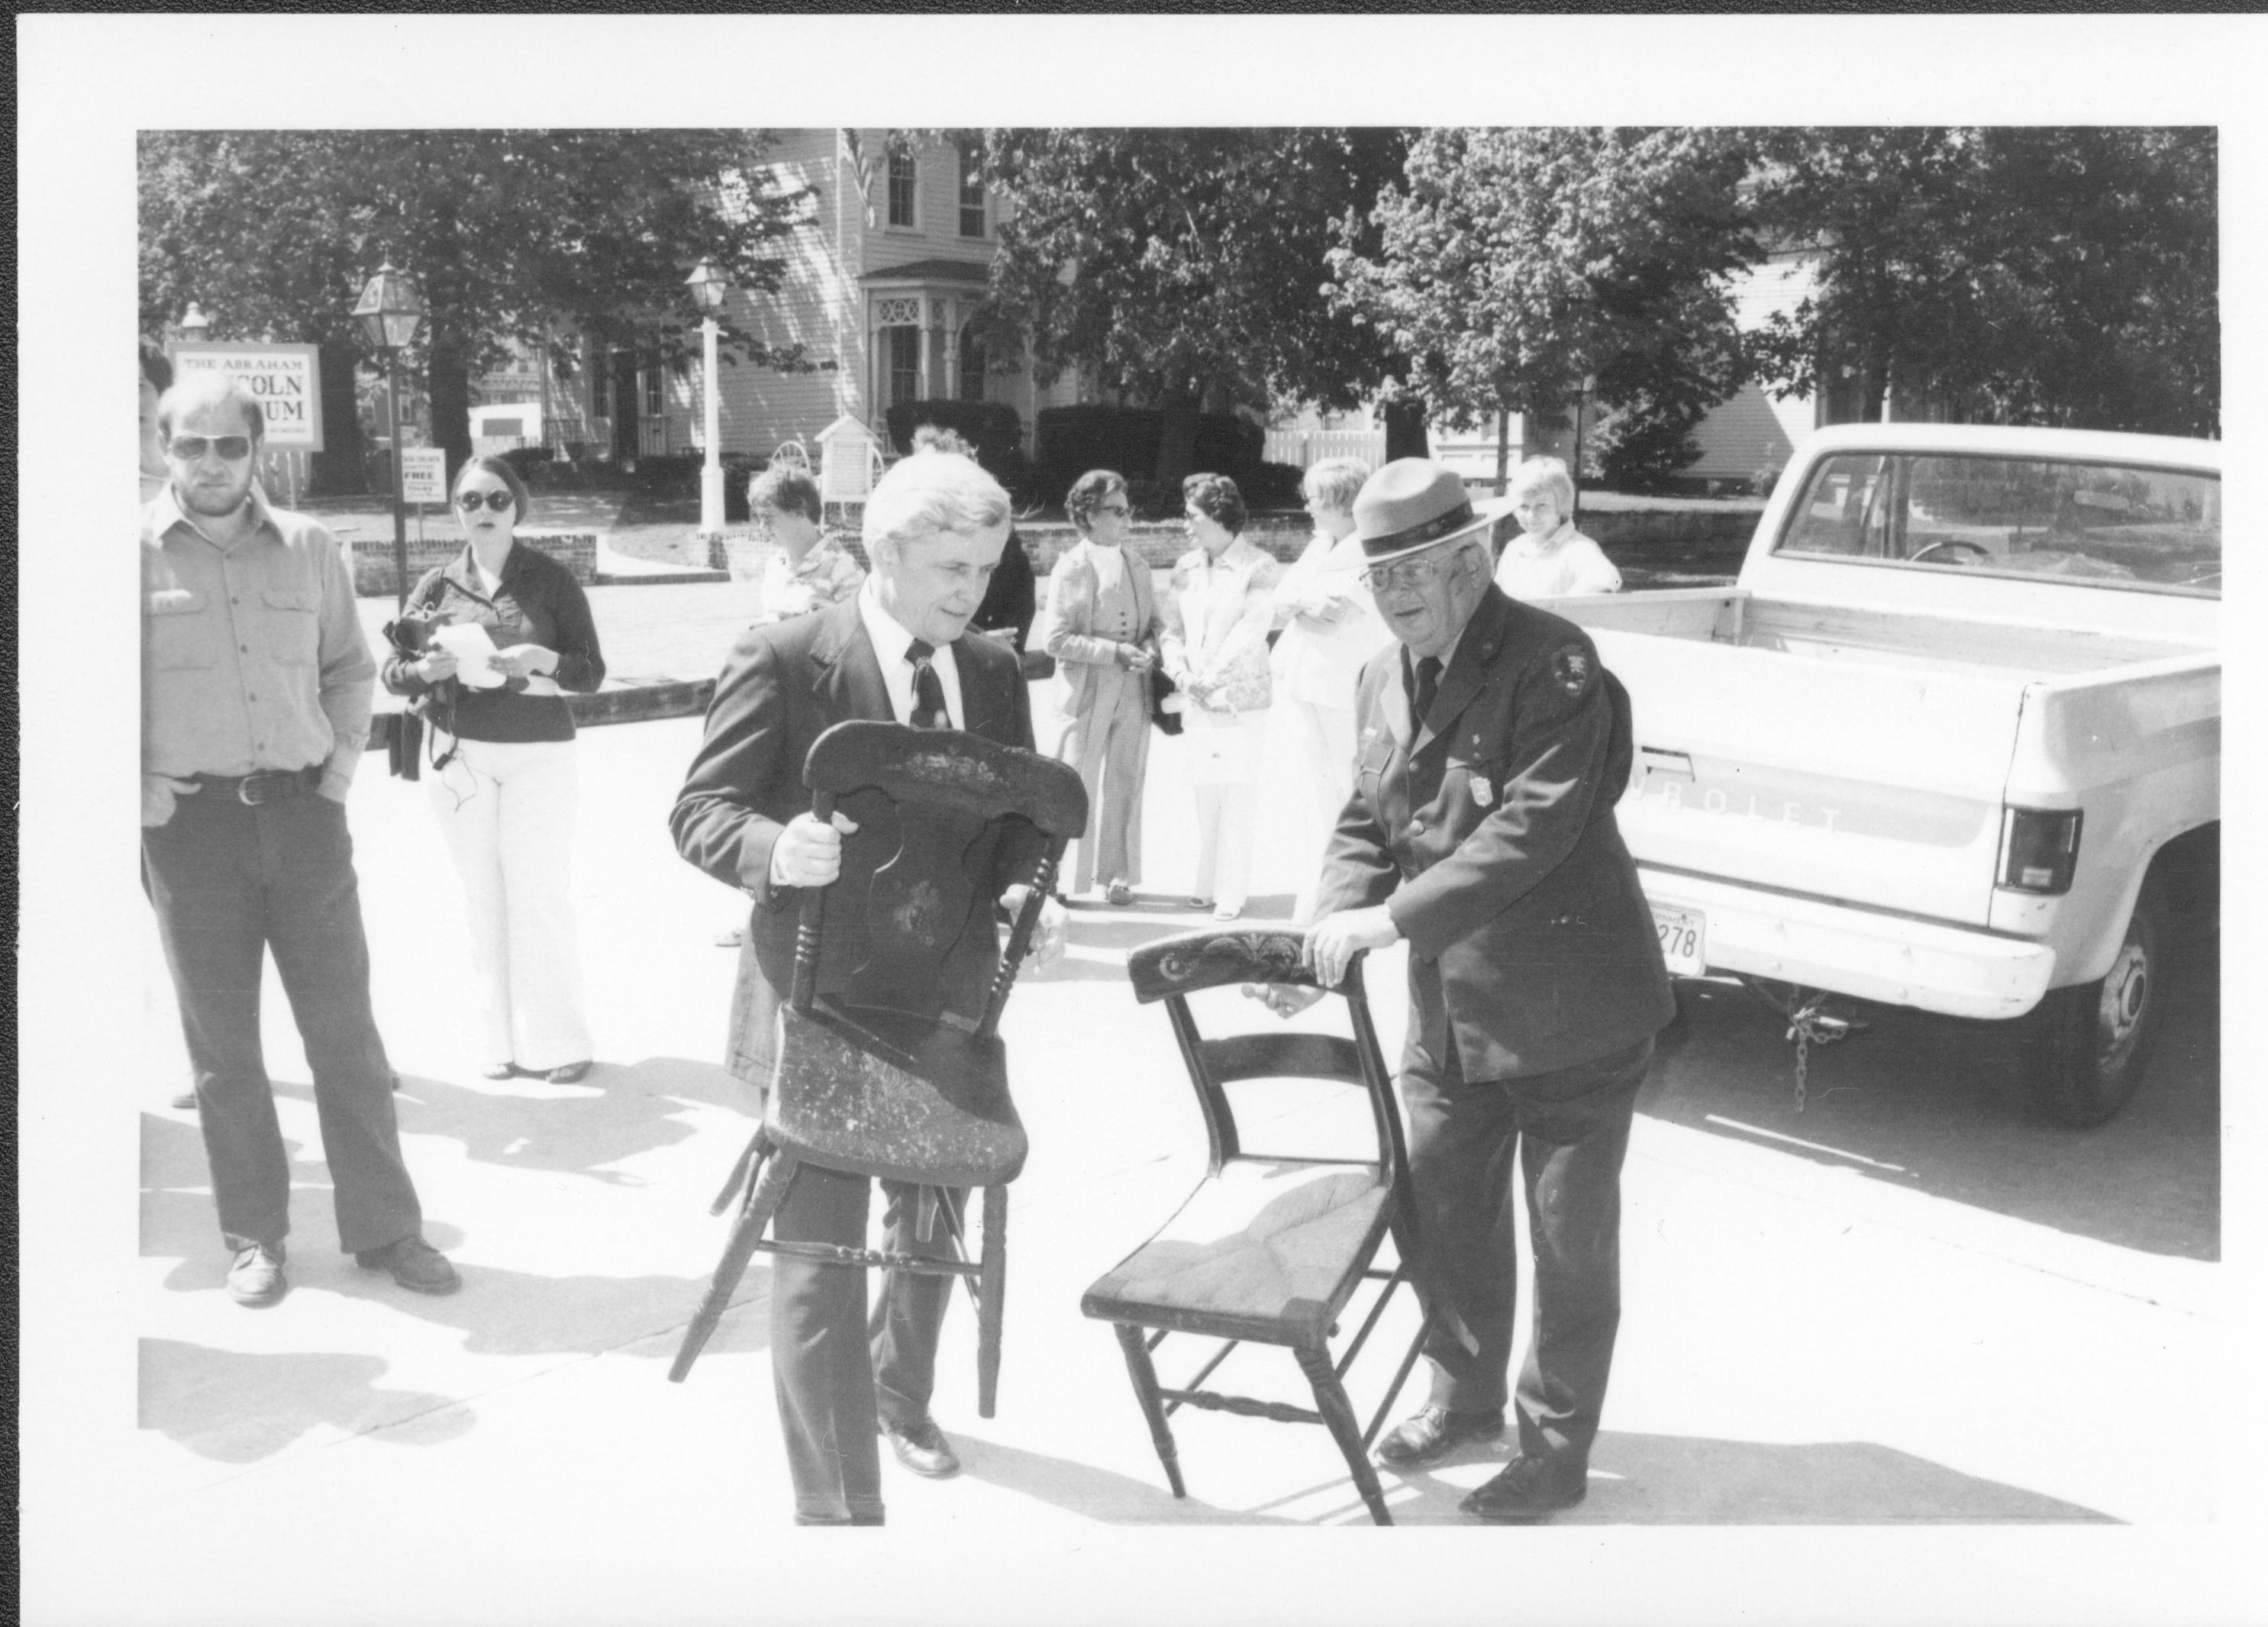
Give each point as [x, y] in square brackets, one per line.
[503, 780]
[1330, 628]
[1214, 645]
[1102, 629]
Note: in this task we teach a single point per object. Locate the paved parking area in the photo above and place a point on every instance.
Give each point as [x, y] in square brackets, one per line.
[1909, 1307]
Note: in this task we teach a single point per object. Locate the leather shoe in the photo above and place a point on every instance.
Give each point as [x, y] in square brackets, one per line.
[256, 1278]
[1118, 892]
[729, 939]
[921, 1446]
[413, 1263]
[568, 1073]
[186, 1099]
[499, 1070]
[1432, 1432]
[1528, 1489]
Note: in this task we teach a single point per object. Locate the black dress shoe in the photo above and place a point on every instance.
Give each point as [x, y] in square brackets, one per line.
[1528, 1488]
[568, 1073]
[921, 1446]
[1432, 1432]
[413, 1263]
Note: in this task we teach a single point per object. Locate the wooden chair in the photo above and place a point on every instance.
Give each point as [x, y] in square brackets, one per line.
[1268, 1249]
[890, 1063]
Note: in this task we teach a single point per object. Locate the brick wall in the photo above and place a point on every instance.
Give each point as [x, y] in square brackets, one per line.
[373, 559]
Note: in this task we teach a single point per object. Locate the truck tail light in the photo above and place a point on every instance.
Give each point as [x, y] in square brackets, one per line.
[2039, 849]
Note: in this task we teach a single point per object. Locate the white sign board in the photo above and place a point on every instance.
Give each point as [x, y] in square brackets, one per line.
[425, 478]
[285, 378]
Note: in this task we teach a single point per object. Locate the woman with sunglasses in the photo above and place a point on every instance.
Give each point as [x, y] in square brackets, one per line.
[503, 784]
[1103, 627]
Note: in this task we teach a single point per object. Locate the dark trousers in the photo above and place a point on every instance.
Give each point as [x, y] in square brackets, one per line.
[229, 881]
[838, 1376]
[1570, 1129]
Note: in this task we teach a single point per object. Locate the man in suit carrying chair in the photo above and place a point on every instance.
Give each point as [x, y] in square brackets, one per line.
[1490, 750]
[899, 650]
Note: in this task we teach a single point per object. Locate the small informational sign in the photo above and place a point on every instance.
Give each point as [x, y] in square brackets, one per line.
[285, 378]
[424, 477]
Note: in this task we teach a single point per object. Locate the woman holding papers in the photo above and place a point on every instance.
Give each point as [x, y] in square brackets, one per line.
[511, 632]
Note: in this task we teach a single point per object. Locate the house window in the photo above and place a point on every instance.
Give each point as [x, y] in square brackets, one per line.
[902, 184]
[972, 365]
[602, 398]
[652, 373]
[972, 191]
[905, 364]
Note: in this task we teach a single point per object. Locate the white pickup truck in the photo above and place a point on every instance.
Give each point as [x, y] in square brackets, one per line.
[1953, 742]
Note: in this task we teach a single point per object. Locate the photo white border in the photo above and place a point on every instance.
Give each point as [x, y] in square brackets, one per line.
[86, 83]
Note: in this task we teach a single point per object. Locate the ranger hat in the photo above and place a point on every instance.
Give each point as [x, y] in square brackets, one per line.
[1410, 505]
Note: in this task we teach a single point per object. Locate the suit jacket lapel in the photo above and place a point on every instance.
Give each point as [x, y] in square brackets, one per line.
[984, 704]
[851, 673]
[1394, 701]
[1467, 668]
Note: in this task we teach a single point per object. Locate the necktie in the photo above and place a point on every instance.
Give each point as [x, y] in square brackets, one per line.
[929, 689]
[1427, 686]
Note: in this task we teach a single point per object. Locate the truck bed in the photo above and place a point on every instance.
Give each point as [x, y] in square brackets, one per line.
[1733, 616]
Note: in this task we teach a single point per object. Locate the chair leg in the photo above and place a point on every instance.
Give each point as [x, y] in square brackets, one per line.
[1145, 1391]
[764, 1200]
[991, 1291]
[1339, 1416]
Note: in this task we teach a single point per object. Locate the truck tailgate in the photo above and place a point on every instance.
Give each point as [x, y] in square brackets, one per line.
[1871, 783]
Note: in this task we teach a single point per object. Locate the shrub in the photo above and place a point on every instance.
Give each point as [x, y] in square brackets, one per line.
[1642, 445]
[1273, 486]
[995, 428]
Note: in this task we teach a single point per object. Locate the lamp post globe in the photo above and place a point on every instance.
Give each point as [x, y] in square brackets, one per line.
[389, 314]
[710, 286]
[194, 324]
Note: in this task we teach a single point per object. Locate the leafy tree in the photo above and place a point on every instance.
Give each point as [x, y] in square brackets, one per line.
[1511, 264]
[2035, 275]
[1186, 266]
[514, 235]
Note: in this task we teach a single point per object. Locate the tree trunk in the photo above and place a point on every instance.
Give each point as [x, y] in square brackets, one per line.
[337, 471]
[1405, 430]
[448, 397]
[1177, 438]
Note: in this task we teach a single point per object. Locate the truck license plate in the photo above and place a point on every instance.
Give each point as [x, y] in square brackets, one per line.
[1684, 940]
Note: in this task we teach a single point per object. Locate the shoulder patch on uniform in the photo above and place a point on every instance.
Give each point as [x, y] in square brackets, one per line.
[1572, 668]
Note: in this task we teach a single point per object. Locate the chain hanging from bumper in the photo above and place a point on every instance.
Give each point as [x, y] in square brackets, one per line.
[1815, 1017]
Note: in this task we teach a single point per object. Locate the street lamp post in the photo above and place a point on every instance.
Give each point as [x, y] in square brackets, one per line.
[390, 314]
[194, 324]
[1582, 406]
[709, 288]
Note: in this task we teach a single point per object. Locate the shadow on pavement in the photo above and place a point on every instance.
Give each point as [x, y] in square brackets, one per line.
[619, 1111]
[1695, 1480]
[238, 1407]
[1092, 1493]
[1939, 1105]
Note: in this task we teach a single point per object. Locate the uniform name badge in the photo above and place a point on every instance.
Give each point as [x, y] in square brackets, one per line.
[1483, 793]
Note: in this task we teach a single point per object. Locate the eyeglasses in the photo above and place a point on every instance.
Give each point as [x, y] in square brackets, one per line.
[190, 448]
[1407, 576]
[499, 500]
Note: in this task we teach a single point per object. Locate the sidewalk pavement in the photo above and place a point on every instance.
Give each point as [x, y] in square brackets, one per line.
[1801, 1345]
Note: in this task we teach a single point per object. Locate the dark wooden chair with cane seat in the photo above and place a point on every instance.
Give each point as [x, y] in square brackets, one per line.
[1267, 1249]
[890, 1061]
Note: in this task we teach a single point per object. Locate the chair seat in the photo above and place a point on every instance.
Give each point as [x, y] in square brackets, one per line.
[1268, 1250]
[883, 1093]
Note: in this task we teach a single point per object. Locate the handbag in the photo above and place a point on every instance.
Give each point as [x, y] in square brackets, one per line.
[1166, 702]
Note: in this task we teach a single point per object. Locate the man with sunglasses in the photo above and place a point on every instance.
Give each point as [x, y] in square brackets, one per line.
[256, 708]
[1490, 750]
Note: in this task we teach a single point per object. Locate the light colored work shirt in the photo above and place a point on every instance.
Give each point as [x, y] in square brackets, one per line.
[1562, 561]
[253, 658]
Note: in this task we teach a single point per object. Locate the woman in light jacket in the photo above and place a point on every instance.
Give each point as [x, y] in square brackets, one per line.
[1102, 622]
[1214, 645]
[502, 784]
[1550, 559]
[1330, 628]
